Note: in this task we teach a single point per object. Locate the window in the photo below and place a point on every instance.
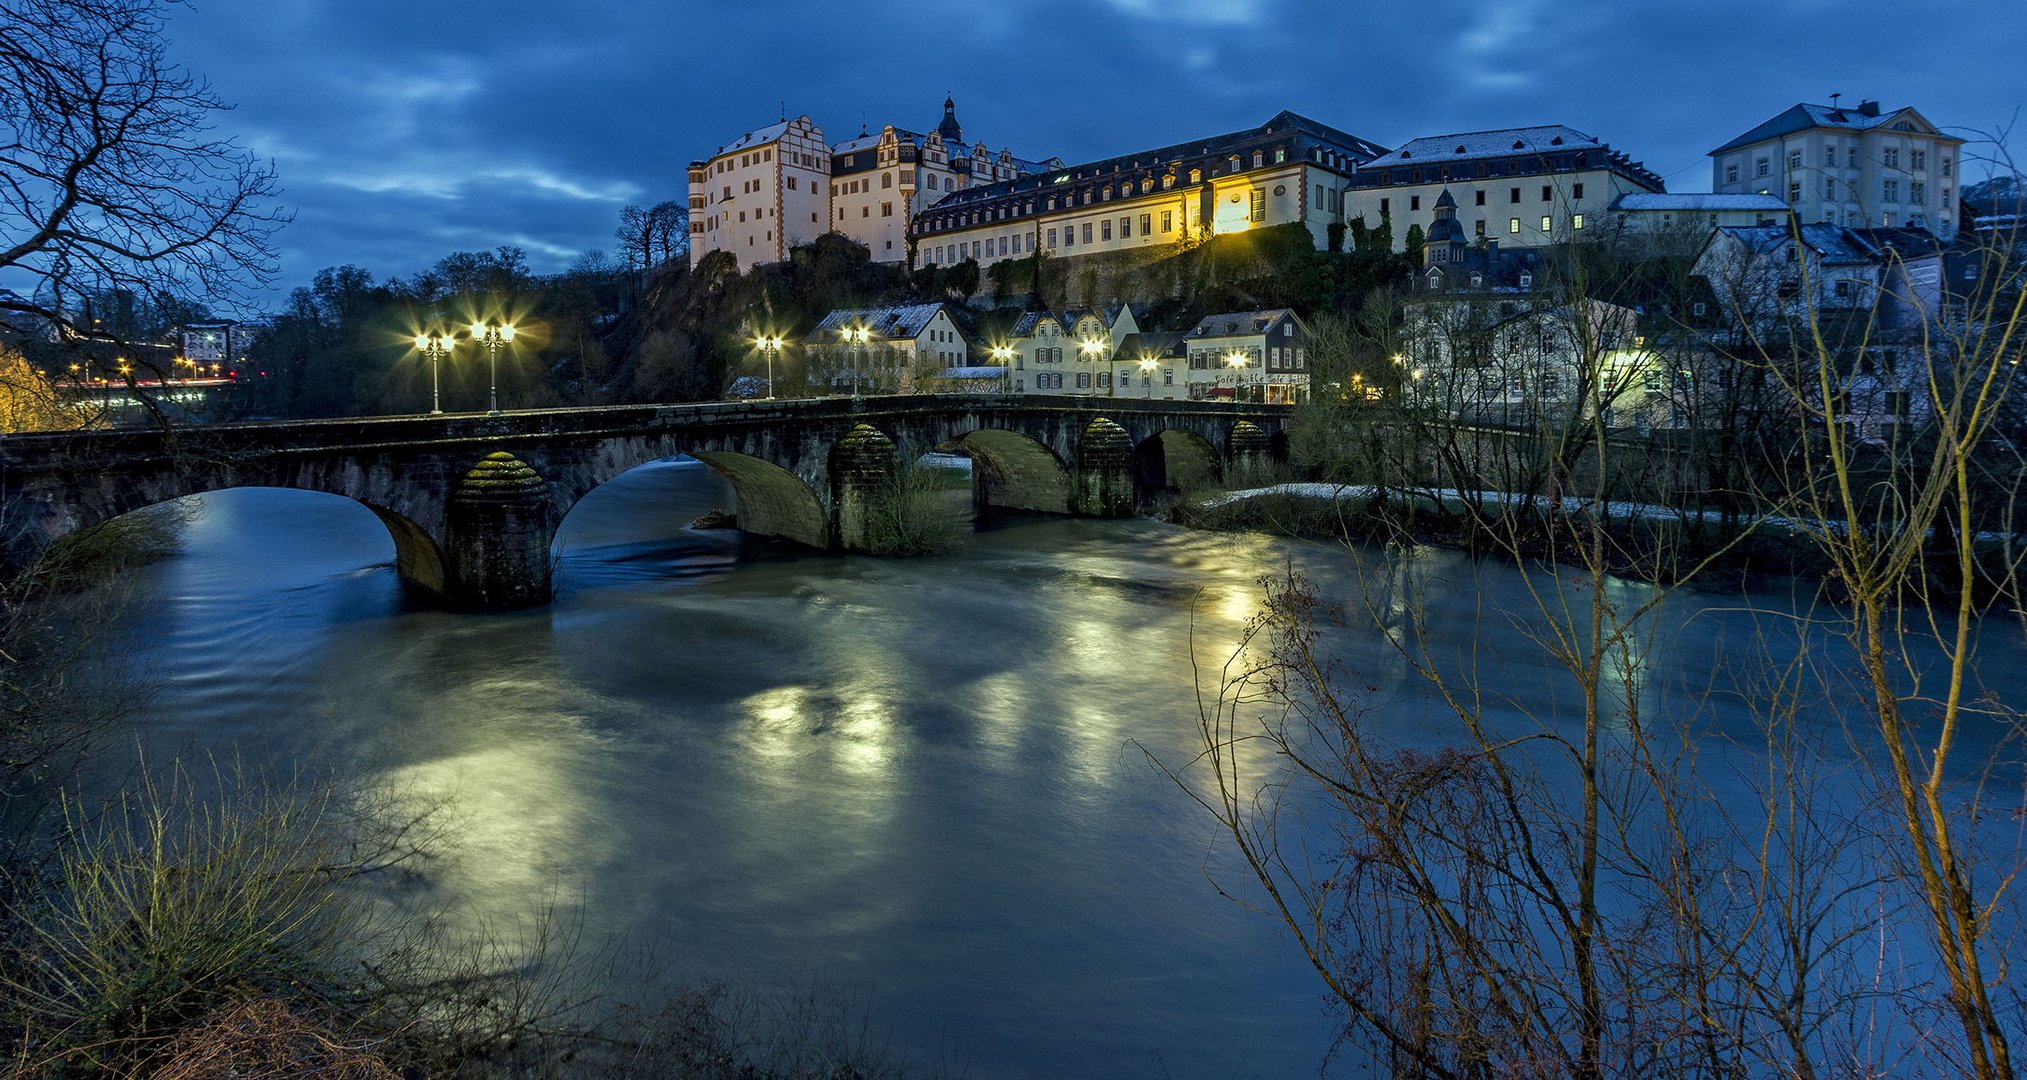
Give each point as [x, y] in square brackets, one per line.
[1547, 193]
[1576, 221]
[1126, 228]
[886, 209]
[1258, 208]
[1917, 191]
[1794, 161]
[1414, 202]
[1829, 187]
[1087, 232]
[1545, 223]
[1891, 190]
[1794, 191]
[1841, 288]
[1946, 165]
[1166, 220]
[1383, 207]
[1890, 157]
[1760, 167]
[1731, 174]
[1002, 245]
[1481, 227]
[886, 179]
[1146, 221]
[1513, 226]
[866, 211]
[1515, 195]
[791, 183]
[1083, 380]
[1481, 198]
[1917, 159]
[1829, 153]
[1105, 229]
[1697, 308]
[1052, 238]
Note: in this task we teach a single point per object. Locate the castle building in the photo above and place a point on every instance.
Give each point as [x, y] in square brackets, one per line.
[1525, 187]
[1289, 169]
[1851, 167]
[765, 193]
[781, 186]
[880, 182]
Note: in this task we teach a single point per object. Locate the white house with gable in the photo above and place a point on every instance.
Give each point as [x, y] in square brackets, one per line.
[884, 350]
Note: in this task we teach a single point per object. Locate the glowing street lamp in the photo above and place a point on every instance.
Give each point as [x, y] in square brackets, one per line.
[436, 345]
[769, 345]
[1004, 354]
[858, 336]
[492, 336]
[1236, 361]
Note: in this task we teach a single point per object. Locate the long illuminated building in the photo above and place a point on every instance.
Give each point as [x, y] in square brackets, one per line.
[1289, 169]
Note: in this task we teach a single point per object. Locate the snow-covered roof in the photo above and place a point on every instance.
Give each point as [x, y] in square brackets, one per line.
[758, 137]
[1835, 245]
[904, 322]
[1496, 143]
[1239, 323]
[1803, 116]
[1698, 202]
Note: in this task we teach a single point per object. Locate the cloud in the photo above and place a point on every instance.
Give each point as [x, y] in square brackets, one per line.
[1196, 12]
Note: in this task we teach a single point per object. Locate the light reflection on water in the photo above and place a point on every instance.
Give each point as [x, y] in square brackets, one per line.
[922, 777]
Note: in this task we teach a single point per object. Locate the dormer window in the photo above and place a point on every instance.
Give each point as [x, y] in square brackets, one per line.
[1527, 281]
[1477, 281]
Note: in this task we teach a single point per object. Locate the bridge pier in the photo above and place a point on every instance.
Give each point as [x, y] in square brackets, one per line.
[496, 536]
[1251, 455]
[1103, 484]
[864, 472]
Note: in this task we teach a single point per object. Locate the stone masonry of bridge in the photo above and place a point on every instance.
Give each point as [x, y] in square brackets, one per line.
[473, 501]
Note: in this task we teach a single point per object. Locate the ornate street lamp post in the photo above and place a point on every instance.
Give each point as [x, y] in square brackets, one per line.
[436, 345]
[769, 345]
[1235, 360]
[858, 336]
[492, 336]
[1004, 354]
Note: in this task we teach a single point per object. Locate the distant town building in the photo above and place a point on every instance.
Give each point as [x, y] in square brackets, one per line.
[884, 350]
[1525, 187]
[1863, 300]
[1249, 355]
[1151, 364]
[1289, 169]
[1853, 167]
[1648, 213]
[1066, 352]
[217, 347]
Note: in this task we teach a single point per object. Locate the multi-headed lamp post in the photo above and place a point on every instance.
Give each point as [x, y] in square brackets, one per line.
[769, 345]
[492, 336]
[436, 345]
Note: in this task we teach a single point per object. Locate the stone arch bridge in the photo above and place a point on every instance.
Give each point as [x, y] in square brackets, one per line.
[473, 501]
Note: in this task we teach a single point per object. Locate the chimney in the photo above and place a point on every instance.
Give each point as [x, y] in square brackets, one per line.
[1868, 108]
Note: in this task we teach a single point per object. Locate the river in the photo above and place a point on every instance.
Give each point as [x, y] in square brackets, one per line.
[924, 780]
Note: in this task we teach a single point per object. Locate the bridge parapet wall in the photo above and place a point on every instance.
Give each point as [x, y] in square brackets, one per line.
[778, 456]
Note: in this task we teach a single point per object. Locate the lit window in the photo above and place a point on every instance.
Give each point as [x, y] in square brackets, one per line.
[1545, 223]
[1513, 226]
[1576, 221]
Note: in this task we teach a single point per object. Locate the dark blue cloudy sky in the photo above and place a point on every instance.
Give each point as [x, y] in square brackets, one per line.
[406, 129]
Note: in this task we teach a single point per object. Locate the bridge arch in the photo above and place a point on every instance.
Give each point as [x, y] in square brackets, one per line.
[418, 559]
[1013, 471]
[772, 500]
[1177, 461]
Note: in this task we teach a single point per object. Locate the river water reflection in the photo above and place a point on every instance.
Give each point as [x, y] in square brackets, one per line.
[919, 778]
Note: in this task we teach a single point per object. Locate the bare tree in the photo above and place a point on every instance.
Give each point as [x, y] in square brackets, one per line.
[110, 174]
